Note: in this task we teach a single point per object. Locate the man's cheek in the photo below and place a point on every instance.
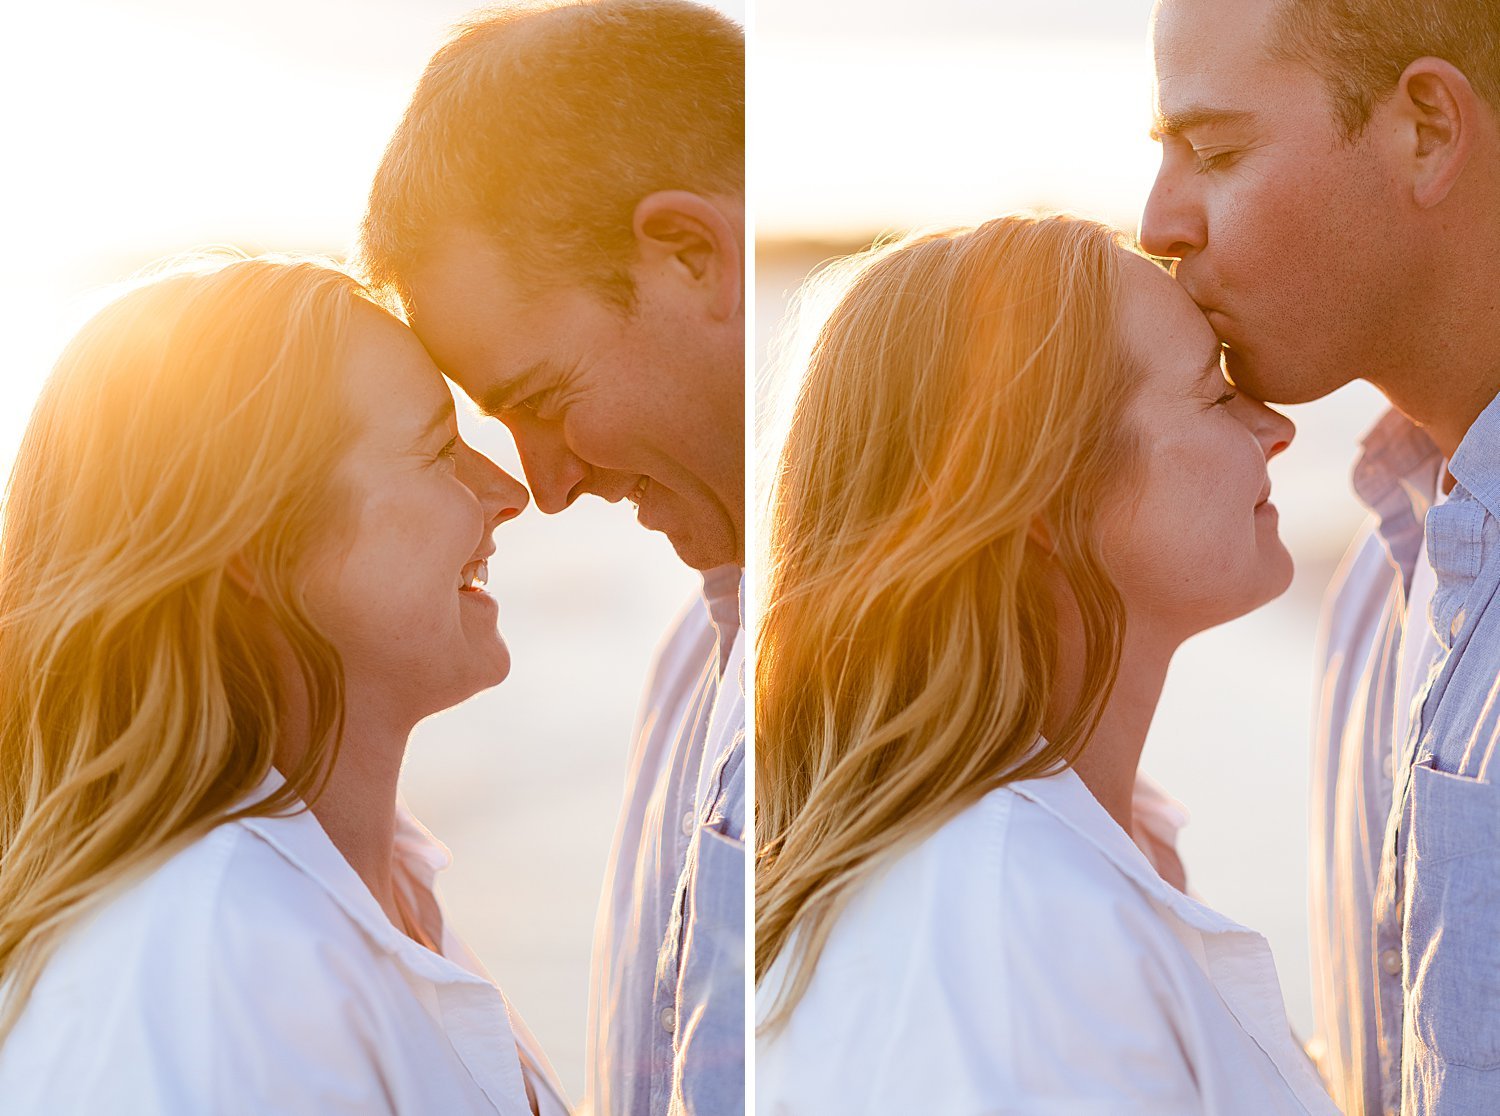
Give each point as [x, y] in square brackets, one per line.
[605, 441]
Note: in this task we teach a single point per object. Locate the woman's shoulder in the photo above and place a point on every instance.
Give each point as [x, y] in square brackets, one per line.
[225, 945]
[1010, 878]
[969, 954]
[223, 900]
[1011, 845]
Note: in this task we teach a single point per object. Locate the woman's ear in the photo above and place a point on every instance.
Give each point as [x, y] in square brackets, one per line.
[1039, 535]
[688, 246]
[243, 575]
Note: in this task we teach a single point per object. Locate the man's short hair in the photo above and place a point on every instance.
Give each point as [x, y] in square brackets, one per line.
[1361, 47]
[543, 127]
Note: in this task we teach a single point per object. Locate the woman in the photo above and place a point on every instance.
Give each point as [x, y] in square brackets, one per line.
[1015, 480]
[244, 553]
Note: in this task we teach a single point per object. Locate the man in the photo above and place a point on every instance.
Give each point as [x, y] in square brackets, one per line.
[1330, 188]
[561, 215]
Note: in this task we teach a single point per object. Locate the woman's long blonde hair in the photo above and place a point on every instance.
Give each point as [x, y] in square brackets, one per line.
[952, 442]
[191, 426]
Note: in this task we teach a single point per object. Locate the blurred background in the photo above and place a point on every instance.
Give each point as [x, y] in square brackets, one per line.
[138, 129]
[874, 116]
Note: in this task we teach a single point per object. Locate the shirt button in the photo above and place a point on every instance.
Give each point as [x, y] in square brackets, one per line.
[1390, 961]
[668, 1019]
[1458, 624]
[1388, 765]
[688, 821]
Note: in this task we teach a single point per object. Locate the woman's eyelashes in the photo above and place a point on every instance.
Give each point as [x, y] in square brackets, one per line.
[1227, 398]
[449, 452]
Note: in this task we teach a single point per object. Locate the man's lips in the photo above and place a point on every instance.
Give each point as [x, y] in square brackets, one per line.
[620, 487]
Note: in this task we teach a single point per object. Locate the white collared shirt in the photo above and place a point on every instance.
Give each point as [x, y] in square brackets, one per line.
[254, 972]
[1026, 958]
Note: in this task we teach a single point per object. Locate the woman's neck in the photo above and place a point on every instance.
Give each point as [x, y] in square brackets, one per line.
[357, 806]
[1109, 761]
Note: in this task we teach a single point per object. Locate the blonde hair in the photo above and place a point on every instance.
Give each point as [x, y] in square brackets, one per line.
[966, 388]
[543, 126]
[189, 426]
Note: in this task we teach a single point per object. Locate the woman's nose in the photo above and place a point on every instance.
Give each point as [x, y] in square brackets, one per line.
[1273, 429]
[500, 495]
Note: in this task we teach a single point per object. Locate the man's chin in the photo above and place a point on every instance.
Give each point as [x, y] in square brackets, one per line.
[1285, 382]
[704, 550]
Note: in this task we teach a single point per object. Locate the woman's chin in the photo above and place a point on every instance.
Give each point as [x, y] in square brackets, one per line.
[1274, 571]
[481, 669]
[491, 667]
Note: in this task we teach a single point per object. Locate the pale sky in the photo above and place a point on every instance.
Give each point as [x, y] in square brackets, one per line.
[1069, 20]
[873, 116]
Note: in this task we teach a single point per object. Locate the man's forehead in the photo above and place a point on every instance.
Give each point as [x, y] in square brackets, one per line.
[1204, 39]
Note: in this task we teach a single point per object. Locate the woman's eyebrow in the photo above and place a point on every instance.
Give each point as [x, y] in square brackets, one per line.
[439, 418]
[1213, 370]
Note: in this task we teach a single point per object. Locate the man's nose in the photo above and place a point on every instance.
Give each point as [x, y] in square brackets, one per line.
[556, 474]
[1173, 224]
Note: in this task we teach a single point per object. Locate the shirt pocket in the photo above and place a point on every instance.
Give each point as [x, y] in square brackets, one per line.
[1451, 950]
[710, 1033]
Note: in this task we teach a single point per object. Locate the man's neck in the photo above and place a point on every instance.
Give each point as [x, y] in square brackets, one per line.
[1448, 371]
[1447, 417]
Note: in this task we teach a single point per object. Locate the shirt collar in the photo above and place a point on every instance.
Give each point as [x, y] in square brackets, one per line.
[1475, 464]
[1237, 960]
[1395, 477]
[1065, 797]
[724, 594]
[303, 843]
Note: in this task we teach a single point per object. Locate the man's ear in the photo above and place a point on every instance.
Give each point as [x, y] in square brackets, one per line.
[1439, 113]
[689, 240]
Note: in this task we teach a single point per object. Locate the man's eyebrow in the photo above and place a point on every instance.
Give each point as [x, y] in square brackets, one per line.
[1194, 117]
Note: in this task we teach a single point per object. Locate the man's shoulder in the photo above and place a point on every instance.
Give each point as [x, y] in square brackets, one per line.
[1358, 591]
[684, 649]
